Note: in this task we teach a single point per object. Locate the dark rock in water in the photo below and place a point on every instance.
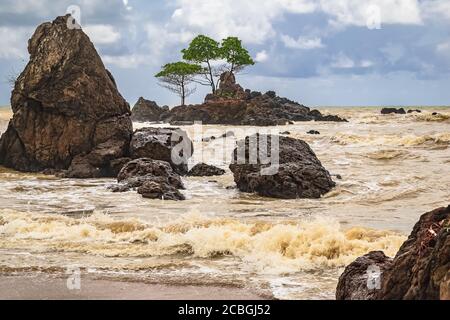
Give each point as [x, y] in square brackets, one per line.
[163, 191]
[286, 133]
[166, 144]
[147, 111]
[419, 271]
[232, 105]
[355, 284]
[181, 123]
[416, 110]
[153, 179]
[393, 110]
[205, 170]
[313, 132]
[299, 174]
[67, 109]
[435, 114]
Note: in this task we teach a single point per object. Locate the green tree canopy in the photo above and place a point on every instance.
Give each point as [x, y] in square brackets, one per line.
[177, 76]
[235, 54]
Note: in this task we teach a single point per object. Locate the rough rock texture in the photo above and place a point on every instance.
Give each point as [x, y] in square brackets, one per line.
[66, 107]
[147, 111]
[166, 144]
[299, 175]
[153, 179]
[419, 271]
[232, 105]
[393, 110]
[205, 170]
[353, 282]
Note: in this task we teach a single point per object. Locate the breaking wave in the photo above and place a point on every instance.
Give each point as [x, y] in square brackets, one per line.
[280, 247]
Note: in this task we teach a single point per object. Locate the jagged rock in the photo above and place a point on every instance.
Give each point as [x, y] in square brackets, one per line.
[354, 283]
[419, 271]
[67, 109]
[232, 105]
[299, 174]
[152, 178]
[393, 110]
[205, 170]
[166, 144]
[147, 111]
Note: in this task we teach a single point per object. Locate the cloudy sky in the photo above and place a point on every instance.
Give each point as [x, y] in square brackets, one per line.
[318, 52]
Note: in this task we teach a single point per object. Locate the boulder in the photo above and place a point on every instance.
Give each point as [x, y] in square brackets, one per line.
[313, 132]
[354, 283]
[419, 271]
[205, 170]
[165, 144]
[67, 108]
[152, 178]
[416, 111]
[147, 111]
[393, 110]
[299, 173]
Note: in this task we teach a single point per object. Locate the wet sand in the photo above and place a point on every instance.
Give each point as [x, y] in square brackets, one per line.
[39, 287]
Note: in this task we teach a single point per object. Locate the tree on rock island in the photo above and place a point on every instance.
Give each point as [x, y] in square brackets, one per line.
[177, 77]
[235, 54]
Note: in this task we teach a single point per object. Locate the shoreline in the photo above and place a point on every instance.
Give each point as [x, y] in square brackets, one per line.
[39, 286]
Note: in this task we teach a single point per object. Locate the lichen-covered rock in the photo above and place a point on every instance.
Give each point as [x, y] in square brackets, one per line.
[298, 173]
[165, 144]
[147, 111]
[419, 271]
[205, 170]
[66, 106]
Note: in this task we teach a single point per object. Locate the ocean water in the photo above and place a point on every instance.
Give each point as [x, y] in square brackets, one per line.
[394, 168]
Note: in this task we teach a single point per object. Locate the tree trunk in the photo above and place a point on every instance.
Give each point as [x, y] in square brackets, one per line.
[183, 92]
[211, 79]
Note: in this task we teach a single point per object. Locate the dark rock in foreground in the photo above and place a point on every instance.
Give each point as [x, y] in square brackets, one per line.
[299, 174]
[232, 105]
[205, 170]
[147, 111]
[419, 271]
[165, 144]
[153, 179]
[67, 109]
[393, 110]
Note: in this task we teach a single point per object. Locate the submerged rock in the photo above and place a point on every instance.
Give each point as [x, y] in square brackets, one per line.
[165, 144]
[393, 110]
[299, 173]
[147, 111]
[67, 109]
[205, 170]
[153, 179]
[313, 132]
[232, 105]
[416, 111]
[419, 271]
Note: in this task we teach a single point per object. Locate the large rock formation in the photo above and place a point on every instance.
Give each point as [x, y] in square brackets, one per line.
[299, 173]
[232, 105]
[147, 111]
[205, 170]
[419, 271]
[165, 144]
[67, 108]
[153, 179]
[393, 110]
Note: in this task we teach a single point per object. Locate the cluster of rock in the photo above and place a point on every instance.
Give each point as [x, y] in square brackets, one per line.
[297, 172]
[232, 105]
[419, 271]
[398, 111]
[70, 119]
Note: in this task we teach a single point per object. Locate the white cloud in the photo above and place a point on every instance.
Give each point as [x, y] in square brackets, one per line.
[341, 61]
[262, 56]
[366, 64]
[13, 42]
[102, 33]
[302, 42]
[436, 8]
